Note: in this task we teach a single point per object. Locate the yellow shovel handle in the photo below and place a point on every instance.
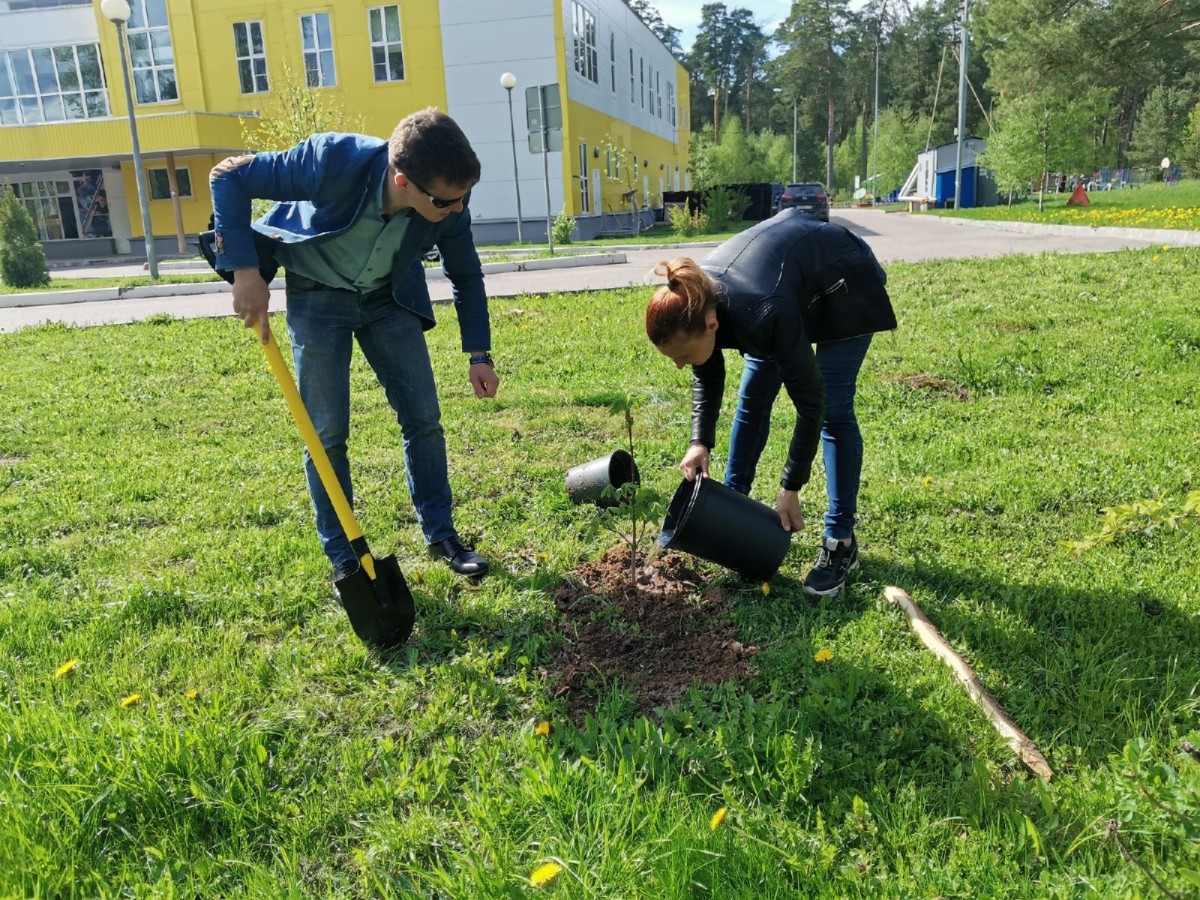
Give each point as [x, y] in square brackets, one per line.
[316, 449]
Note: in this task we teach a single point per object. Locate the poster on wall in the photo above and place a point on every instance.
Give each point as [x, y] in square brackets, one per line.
[91, 203]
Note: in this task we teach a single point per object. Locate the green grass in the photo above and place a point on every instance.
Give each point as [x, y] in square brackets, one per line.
[1150, 206]
[154, 526]
[123, 281]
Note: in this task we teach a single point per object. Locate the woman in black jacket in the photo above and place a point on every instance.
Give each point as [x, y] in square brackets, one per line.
[771, 293]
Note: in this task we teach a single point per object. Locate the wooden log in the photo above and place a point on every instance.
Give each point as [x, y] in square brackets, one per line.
[932, 638]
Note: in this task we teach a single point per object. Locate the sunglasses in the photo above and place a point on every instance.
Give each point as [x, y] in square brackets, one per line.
[438, 202]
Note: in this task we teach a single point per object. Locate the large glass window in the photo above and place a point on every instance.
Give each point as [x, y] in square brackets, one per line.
[251, 57]
[317, 39]
[585, 42]
[51, 204]
[387, 57]
[159, 183]
[51, 84]
[151, 56]
[585, 197]
[612, 59]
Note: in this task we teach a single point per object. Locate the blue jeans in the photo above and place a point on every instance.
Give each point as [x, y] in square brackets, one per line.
[841, 440]
[323, 324]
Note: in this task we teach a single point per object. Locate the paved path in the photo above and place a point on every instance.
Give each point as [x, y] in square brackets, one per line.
[893, 236]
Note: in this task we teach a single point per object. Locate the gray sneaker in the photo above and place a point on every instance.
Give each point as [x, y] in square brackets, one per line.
[836, 561]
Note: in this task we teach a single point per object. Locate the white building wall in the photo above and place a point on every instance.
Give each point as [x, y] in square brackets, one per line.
[480, 42]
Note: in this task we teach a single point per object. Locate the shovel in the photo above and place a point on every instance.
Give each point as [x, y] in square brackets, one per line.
[375, 597]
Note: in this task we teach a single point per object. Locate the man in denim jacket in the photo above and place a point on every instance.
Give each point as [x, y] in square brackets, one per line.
[354, 216]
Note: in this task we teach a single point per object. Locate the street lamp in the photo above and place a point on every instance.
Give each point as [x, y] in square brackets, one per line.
[715, 93]
[117, 12]
[508, 81]
[794, 131]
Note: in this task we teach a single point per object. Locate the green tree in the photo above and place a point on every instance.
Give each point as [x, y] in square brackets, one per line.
[22, 258]
[1189, 143]
[727, 55]
[1012, 152]
[814, 36]
[901, 138]
[1160, 126]
[653, 19]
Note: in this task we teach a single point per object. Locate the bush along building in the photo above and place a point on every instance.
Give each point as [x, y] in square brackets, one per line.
[209, 80]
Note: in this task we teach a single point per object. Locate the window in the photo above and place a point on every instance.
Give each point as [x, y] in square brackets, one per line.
[608, 162]
[317, 42]
[632, 83]
[51, 84]
[151, 57]
[160, 184]
[642, 78]
[251, 57]
[585, 42]
[658, 93]
[671, 101]
[612, 59]
[51, 204]
[387, 58]
[585, 199]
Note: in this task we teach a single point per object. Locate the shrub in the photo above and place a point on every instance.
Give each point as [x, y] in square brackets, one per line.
[563, 228]
[22, 259]
[724, 207]
[686, 223]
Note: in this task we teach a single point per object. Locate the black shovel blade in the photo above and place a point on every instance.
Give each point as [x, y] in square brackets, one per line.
[382, 611]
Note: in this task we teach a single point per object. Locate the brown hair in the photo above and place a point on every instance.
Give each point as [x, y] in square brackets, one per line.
[428, 146]
[678, 307]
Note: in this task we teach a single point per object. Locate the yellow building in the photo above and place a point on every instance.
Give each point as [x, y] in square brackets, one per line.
[202, 73]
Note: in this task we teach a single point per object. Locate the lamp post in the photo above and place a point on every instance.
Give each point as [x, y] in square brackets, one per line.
[117, 12]
[715, 93]
[794, 131]
[508, 81]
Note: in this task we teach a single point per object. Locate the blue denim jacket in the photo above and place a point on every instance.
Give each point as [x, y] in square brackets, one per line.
[322, 185]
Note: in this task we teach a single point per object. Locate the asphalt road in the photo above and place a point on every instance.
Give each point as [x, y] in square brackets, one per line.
[893, 236]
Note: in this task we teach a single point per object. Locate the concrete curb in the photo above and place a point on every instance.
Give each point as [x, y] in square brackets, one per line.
[1171, 237]
[533, 265]
[55, 298]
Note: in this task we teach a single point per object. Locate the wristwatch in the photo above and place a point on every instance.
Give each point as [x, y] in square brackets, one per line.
[484, 358]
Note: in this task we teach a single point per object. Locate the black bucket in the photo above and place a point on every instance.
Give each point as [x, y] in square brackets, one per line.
[586, 482]
[715, 522]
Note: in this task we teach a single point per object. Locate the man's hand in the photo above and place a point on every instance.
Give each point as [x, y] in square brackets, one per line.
[695, 462]
[251, 297]
[484, 380]
[787, 504]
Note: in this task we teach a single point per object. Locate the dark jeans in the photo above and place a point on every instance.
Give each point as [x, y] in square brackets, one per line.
[841, 440]
[323, 324]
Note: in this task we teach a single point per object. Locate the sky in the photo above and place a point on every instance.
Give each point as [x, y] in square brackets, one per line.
[685, 15]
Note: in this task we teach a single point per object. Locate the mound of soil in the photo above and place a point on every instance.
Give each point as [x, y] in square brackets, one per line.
[656, 640]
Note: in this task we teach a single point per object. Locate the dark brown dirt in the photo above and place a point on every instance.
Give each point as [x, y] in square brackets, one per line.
[656, 640]
[922, 381]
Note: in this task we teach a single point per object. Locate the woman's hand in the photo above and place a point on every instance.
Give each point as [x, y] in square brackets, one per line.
[787, 504]
[695, 462]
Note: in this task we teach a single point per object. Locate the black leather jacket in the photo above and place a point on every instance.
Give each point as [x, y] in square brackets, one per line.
[783, 285]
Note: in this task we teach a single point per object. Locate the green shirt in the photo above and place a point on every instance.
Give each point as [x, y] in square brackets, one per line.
[358, 259]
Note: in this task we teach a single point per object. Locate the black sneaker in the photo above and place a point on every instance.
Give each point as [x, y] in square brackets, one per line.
[837, 560]
[461, 558]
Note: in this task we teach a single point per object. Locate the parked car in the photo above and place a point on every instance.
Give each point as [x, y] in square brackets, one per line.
[809, 197]
[776, 193]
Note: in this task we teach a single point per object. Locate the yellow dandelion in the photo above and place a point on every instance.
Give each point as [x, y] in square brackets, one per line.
[131, 700]
[766, 589]
[542, 729]
[544, 874]
[66, 668]
[192, 694]
[1166, 247]
[718, 817]
[928, 480]
[823, 655]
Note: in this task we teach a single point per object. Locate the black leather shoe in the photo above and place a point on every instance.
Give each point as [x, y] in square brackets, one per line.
[461, 558]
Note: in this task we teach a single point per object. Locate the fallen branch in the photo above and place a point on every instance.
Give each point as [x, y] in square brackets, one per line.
[932, 638]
